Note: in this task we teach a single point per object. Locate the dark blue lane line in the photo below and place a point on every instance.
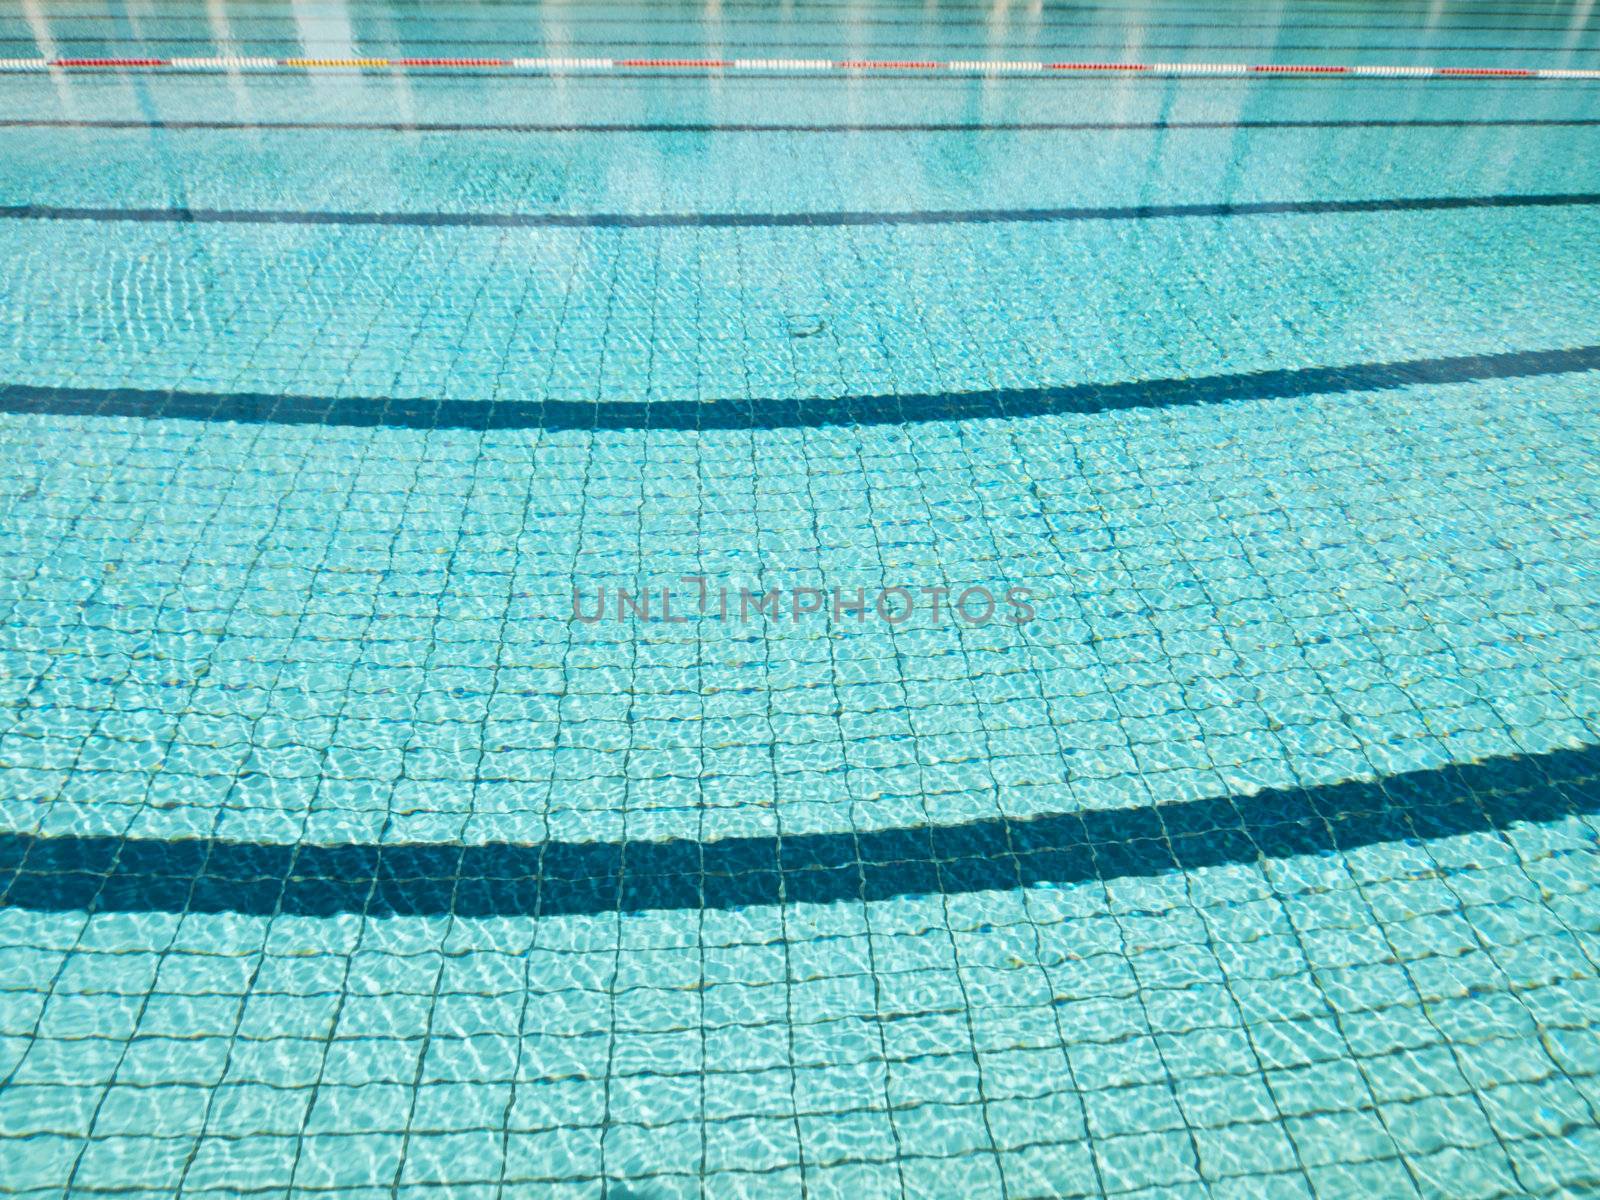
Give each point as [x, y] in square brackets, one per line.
[110, 874]
[1080, 398]
[940, 79]
[780, 220]
[783, 127]
[385, 12]
[579, 19]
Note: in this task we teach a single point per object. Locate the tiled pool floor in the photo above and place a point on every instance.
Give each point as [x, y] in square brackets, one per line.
[358, 839]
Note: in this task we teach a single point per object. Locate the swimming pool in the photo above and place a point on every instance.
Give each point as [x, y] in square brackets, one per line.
[824, 599]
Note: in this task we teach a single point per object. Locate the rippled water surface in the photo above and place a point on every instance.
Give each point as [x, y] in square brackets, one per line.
[361, 835]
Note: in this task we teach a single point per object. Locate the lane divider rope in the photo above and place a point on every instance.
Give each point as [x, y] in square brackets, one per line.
[845, 66]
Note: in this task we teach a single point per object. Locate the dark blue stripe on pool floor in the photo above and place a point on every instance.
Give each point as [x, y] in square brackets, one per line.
[781, 127]
[1079, 398]
[110, 874]
[773, 220]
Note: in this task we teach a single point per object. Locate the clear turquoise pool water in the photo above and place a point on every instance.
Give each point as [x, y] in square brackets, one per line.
[341, 856]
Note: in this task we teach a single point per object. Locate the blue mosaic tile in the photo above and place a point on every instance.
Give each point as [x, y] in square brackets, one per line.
[341, 852]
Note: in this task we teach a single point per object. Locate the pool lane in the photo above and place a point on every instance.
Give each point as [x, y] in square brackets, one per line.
[545, 879]
[895, 408]
[693, 178]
